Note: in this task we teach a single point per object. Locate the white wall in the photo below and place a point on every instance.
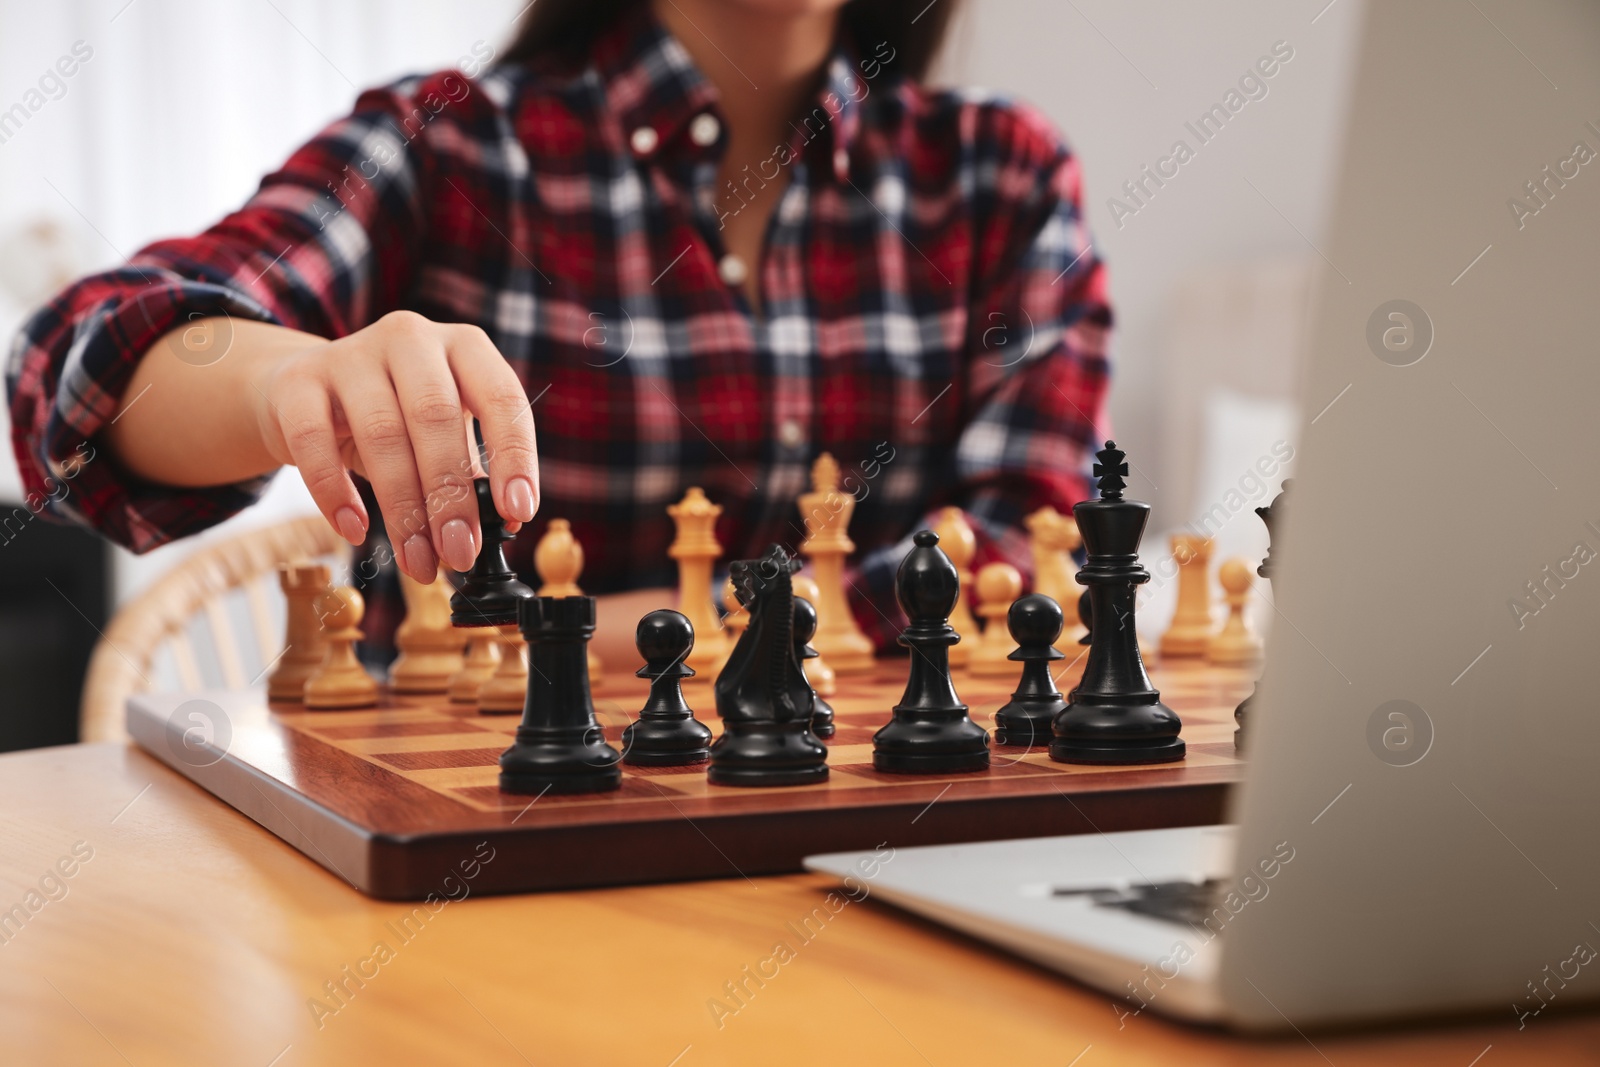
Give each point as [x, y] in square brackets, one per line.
[186, 103]
[182, 107]
[1121, 78]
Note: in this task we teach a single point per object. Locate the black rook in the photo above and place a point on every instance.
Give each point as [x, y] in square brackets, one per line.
[559, 746]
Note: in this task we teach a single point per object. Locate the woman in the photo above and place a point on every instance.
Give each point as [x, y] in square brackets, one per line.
[688, 242]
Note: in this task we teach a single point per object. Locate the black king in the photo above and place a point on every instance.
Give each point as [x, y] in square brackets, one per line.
[1116, 715]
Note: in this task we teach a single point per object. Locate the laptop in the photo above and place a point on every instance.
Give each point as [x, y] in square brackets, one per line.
[1418, 829]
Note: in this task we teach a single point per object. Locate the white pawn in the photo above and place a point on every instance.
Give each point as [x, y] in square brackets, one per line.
[429, 647]
[483, 657]
[998, 585]
[1234, 645]
[341, 681]
[506, 690]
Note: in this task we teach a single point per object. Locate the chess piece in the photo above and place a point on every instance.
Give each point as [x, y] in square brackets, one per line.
[805, 627]
[998, 585]
[1035, 621]
[930, 732]
[822, 678]
[1269, 514]
[1116, 715]
[505, 691]
[490, 591]
[559, 560]
[960, 544]
[666, 734]
[1234, 645]
[429, 647]
[340, 681]
[1052, 538]
[827, 512]
[1147, 653]
[559, 746]
[733, 624]
[696, 550]
[303, 646]
[762, 695]
[558, 557]
[1190, 631]
[482, 659]
[1080, 648]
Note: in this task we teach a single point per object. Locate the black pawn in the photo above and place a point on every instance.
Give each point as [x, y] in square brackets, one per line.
[930, 732]
[805, 628]
[666, 734]
[559, 747]
[1035, 621]
[1116, 715]
[490, 591]
[1268, 515]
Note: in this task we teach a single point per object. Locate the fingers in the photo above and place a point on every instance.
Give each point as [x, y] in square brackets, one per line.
[314, 448]
[492, 391]
[432, 410]
[382, 437]
[391, 402]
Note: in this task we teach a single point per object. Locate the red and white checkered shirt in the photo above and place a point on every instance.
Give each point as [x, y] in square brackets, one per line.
[933, 313]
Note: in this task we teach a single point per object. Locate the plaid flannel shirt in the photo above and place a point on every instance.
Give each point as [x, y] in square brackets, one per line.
[932, 311]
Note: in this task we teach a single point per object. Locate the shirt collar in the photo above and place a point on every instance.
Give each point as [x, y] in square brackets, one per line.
[651, 83]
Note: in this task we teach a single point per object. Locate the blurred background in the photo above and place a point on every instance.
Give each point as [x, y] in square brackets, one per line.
[182, 105]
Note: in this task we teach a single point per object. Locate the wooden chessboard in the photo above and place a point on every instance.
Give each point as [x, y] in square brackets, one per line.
[395, 799]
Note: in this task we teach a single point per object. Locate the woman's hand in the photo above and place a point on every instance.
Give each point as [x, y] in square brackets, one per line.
[391, 402]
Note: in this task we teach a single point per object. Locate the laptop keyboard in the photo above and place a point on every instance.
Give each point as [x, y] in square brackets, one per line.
[1184, 903]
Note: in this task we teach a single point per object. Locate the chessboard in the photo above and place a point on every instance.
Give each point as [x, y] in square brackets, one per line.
[396, 799]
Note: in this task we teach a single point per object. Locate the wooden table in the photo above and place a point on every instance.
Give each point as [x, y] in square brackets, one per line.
[192, 936]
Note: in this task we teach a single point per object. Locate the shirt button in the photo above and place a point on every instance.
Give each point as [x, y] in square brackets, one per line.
[705, 129]
[732, 269]
[644, 140]
[790, 434]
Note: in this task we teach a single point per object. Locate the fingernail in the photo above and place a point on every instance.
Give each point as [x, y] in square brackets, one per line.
[519, 498]
[421, 563]
[350, 525]
[456, 540]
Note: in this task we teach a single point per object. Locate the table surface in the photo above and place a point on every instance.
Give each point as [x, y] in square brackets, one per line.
[191, 935]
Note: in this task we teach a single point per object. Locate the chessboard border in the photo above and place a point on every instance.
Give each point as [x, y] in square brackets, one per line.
[739, 842]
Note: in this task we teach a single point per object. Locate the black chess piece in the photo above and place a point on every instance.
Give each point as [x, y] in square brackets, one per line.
[805, 628]
[1116, 715]
[1035, 621]
[762, 695]
[490, 591]
[559, 747]
[1268, 515]
[666, 734]
[930, 732]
